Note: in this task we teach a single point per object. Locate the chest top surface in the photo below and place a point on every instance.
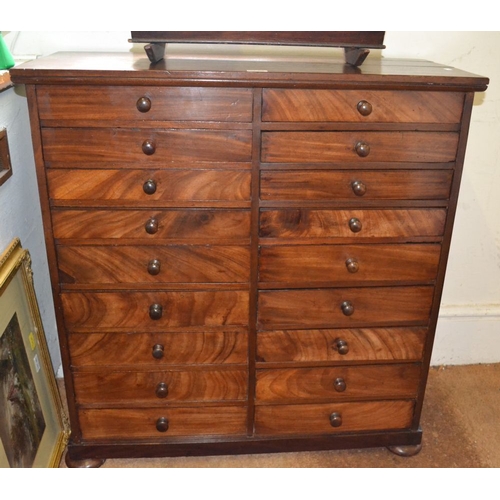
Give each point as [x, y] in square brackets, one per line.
[219, 68]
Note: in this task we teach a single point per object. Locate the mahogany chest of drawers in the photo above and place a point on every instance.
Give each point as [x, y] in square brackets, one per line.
[245, 261]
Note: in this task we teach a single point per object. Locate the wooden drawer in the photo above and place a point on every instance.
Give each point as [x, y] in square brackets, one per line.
[157, 349]
[152, 225]
[355, 185]
[154, 310]
[144, 103]
[67, 147]
[141, 423]
[361, 106]
[119, 387]
[341, 346]
[344, 307]
[344, 264]
[134, 187]
[341, 382]
[153, 265]
[316, 419]
[325, 147]
[397, 223]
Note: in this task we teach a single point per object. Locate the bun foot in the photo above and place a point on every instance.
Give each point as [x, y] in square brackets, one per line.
[406, 451]
[88, 463]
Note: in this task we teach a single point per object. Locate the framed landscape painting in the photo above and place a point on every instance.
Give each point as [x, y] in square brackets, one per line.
[33, 427]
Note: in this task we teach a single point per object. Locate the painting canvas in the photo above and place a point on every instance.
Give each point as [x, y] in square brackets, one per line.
[21, 417]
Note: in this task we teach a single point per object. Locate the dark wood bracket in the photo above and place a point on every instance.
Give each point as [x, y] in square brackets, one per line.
[355, 56]
[356, 44]
[155, 51]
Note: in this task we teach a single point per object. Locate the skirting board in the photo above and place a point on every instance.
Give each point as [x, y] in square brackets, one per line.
[467, 335]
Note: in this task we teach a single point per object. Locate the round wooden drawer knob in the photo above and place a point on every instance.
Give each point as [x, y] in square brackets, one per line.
[364, 108]
[162, 424]
[347, 308]
[149, 187]
[341, 346]
[158, 351]
[362, 149]
[339, 384]
[154, 267]
[352, 265]
[148, 148]
[151, 226]
[155, 311]
[161, 390]
[144, 104]
[358, 188]
[355, 225]
[335, 419]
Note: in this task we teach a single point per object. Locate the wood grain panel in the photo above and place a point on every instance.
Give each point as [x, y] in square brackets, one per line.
[177, 263]
[319, 105]
[315, 419]
[141, 387]
[307, 265]
[120, 349]
[80, 146]
[304, 223]
[364, 344]
[167, 103]
[338, 185]
[130, 311]
[127, 186]
[378, 306]
[306, 384]
[140, 423]
[324, 147]
[172, 224]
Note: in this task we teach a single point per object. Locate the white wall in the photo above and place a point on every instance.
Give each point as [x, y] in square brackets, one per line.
[469, 326]
[20, 214]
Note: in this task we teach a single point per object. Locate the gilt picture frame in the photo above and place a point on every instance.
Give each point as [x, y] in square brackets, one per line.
[33, 427]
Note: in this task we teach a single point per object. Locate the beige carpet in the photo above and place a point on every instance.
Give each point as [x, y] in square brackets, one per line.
[460, 422]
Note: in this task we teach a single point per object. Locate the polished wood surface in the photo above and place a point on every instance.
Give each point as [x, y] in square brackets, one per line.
[315, 419]
[314, 265]
[323, 147]
[306, 105]
[246, 255]
[160, 388]
[341, 345]
[337, 383]
[127, 265]
[102, 350]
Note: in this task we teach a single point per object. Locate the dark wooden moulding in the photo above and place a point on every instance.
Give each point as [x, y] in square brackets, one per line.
[356, 44]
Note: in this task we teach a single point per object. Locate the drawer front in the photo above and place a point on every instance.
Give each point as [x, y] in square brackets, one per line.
[151, 224]
[160, 387]
[151, 186]
[316, 419]
[157, 349]
[347, 307]
[303, 223]
[82, 146]
[355, 185]
[154, 310]
[79, 265]
[324, 147]
[307, 265]
[341, 382]
[361, 106]
[144, 103]
[341, 346]
[142, 423]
